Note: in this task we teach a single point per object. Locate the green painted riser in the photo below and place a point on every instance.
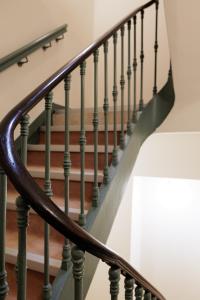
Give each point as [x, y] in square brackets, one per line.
[98, 222]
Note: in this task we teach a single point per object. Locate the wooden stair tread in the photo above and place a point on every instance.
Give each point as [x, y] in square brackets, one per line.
[72, 148]
[35, 241]
[74, 204]
[35, 262]
[57, 173]
[61, 128]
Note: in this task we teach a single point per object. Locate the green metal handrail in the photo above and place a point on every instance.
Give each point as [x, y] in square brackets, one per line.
[22, 53]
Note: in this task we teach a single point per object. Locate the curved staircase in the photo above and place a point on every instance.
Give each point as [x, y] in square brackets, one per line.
[71, 200]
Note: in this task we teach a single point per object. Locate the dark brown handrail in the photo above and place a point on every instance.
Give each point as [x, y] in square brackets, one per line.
[34, 195]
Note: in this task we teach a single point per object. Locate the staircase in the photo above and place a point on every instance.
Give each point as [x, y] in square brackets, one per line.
[63, 179]
[36, 167]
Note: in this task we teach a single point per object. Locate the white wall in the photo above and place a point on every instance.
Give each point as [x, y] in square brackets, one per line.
[120, 241]
[165, 234]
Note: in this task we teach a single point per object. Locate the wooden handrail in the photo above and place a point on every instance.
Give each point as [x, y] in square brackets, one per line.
[34, 195]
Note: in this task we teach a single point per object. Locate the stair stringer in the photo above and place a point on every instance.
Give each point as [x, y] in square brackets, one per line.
[100, 220]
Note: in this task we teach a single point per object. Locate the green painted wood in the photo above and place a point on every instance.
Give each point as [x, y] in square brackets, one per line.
[98, 224]
[114, 278]
[82, 218]
[66, 255]
[3, 200]
[134, 116]
[156, 50]
[19, 55]
[48, 191]
[139, 293]
[147, 296]
[106, 109]
[129, 288]
[129, 74]
[95, 196]
[122, 85]
[115, 94]
[22, 220]
[78, 272]
[141, 103]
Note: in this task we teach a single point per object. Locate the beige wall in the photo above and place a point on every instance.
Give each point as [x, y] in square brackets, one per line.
[183, 29]
[21, 22]
[108, 13]
[43, 16]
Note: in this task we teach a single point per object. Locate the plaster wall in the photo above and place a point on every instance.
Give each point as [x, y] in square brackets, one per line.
[165, 234]
[108, 13]
[23, 21]
[120, 241]
[183, 31]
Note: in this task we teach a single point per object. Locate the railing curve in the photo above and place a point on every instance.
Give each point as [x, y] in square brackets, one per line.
[34, 195]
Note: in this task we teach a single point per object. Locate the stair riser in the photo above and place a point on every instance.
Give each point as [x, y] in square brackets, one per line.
[58, 188]
[37, 158]
[57, 138]
[34, 283]
[74, 119]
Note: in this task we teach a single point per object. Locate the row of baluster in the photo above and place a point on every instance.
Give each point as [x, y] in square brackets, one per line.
[132, 108]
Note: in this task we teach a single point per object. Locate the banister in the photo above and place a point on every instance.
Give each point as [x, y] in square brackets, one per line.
[33, 194]
[41, 42]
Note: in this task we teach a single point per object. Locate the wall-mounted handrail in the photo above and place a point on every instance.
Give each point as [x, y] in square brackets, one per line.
[22, 53]
[29, 189]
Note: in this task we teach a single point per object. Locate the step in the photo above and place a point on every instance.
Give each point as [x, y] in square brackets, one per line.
[36, 155]
[74, 116]
[58, 133]
[35, 235]
[74, 204]
[57, 178]
[35, 277]
[35, 262]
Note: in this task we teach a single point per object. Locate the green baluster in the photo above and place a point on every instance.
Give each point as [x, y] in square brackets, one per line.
[147, 295]
[138, 293]
[106, 108]
[66, 255]
[129, 73]
[122, 84]
[48, 191]
[129, 287]
[82, 219]
[156, 50]
[141, 104]
[115, 93]
[3, 200]
[114, 277]
[95, 198]
[78, 272]
[134, 117]
[22, 221]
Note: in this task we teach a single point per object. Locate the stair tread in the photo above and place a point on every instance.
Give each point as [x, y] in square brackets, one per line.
[57, 173]
[35, 261]
[72, 148]
[74, 204]
[61, 128]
